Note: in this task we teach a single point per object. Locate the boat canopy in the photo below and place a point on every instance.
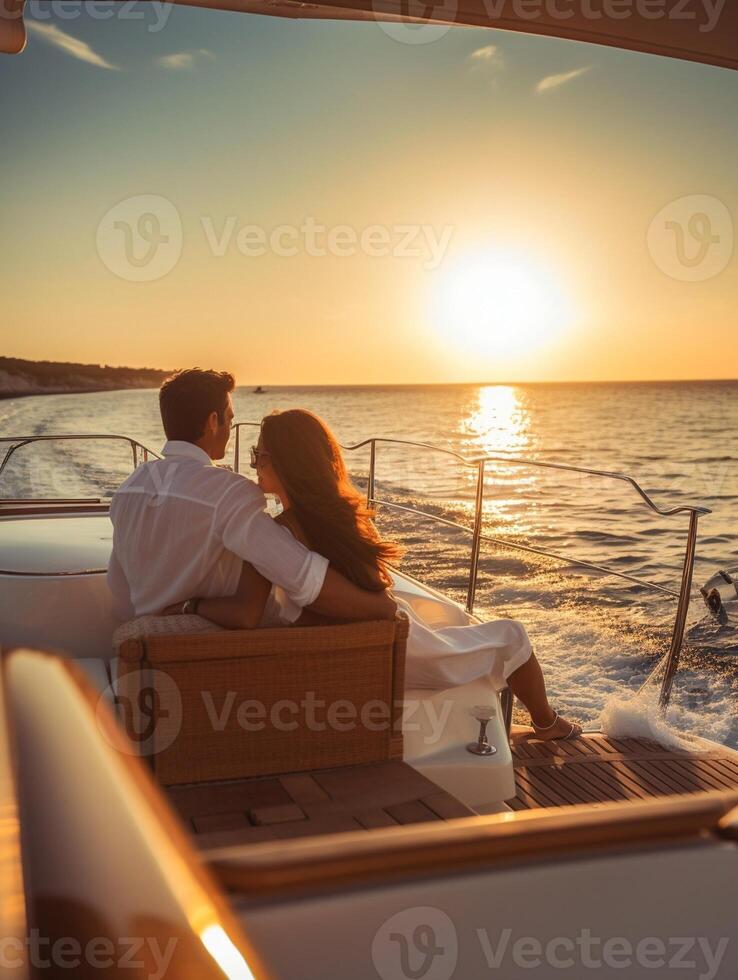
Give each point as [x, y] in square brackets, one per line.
[695, 30]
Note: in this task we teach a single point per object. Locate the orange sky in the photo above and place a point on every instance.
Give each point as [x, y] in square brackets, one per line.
[477, 225]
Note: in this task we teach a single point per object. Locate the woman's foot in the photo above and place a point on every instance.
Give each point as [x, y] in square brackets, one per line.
[556, 728]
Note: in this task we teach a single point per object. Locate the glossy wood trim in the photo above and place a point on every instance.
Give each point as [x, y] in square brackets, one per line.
[17, 508]
[12, 29]
[477, 844]
[161, 847]
[728, 826]
[13, 913]
[674, 34]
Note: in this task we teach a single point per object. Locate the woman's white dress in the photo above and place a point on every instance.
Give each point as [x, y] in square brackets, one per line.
[448, 656]
[441, 657]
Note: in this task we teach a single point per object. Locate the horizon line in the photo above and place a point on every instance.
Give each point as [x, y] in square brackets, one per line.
[384, 384]
[487, 384]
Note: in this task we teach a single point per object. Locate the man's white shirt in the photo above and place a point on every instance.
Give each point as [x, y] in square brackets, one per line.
[182, 528]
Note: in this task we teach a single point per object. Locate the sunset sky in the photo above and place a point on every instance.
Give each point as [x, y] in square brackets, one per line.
[523, 174]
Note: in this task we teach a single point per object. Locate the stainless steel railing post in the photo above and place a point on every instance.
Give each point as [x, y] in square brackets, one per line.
[476, 538]
[677, 637]
[372, 464]
[507, 699]
[237, 450]
[134, 450]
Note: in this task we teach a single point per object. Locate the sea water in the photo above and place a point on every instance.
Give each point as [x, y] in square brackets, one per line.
[598, 636]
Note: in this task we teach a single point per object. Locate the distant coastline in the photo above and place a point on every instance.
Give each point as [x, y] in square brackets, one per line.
[19, 378]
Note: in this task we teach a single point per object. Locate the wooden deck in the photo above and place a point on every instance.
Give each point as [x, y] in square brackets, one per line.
[592, 769]
[387, 794]
[599, 769]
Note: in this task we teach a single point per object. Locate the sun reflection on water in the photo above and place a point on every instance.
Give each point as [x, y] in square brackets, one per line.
[500, 424]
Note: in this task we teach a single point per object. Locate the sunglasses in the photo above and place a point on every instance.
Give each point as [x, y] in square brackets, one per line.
[255, 454]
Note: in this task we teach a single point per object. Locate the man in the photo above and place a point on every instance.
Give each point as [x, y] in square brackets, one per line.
[182, 527]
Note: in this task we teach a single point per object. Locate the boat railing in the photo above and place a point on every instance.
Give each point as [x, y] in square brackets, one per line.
[478, 464]
[478, 535]
[139, 454]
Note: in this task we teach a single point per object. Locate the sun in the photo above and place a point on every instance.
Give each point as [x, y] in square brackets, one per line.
[500, 303]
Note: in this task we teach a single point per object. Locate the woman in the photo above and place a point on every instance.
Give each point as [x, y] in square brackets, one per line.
[299, 460]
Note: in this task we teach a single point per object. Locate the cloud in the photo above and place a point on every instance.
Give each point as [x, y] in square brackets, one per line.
[184, 59]
[488, 58]
[554, 81]
[70, 45]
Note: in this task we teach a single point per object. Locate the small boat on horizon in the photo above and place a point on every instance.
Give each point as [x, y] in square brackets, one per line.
[258, 390]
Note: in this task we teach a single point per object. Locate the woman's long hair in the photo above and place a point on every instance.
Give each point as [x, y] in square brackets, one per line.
[329, 509]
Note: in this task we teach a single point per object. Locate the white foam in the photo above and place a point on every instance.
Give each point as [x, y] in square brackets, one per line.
[638, 716]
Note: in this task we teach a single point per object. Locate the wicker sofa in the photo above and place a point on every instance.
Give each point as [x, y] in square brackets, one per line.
[239, 704]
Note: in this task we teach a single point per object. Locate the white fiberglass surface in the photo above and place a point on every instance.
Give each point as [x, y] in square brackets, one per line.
[55, 545]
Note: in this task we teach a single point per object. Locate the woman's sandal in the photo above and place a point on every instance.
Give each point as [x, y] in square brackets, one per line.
[574, 732]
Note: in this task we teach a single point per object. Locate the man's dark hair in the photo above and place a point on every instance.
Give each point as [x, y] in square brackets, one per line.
[187, 398]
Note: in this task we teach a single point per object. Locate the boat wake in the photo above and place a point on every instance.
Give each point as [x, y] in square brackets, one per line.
[639, 717]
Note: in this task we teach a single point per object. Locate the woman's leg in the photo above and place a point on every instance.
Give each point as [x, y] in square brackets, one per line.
[528, 685]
